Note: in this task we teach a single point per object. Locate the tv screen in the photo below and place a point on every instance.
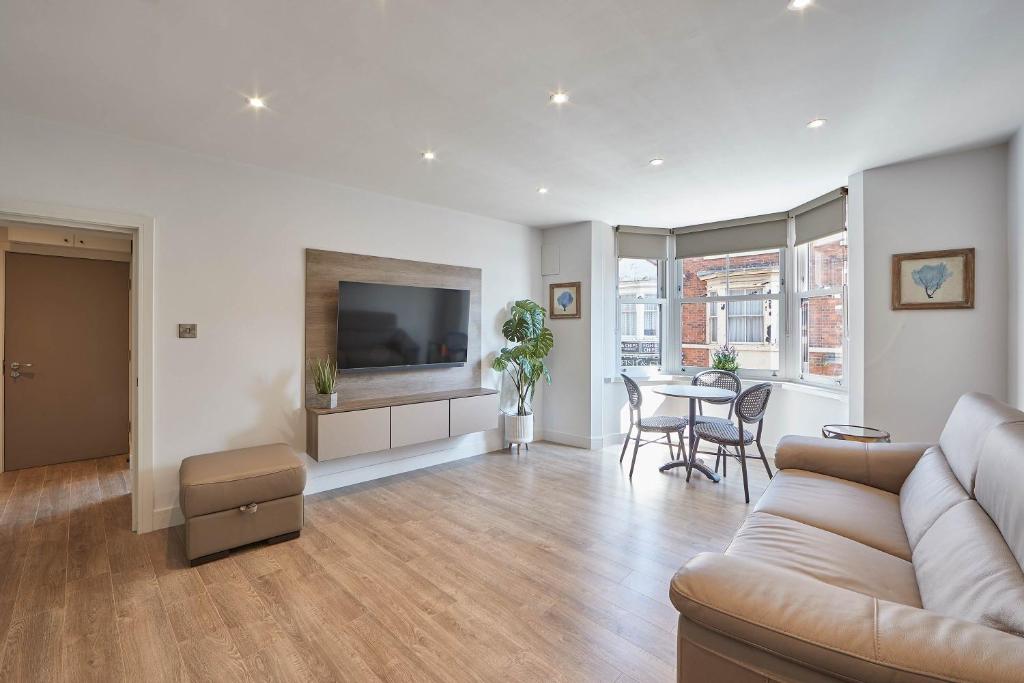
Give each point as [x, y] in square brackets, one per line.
[397, 326]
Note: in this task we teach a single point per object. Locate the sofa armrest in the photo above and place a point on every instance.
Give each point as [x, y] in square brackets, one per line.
[881, 465]
[838, 631]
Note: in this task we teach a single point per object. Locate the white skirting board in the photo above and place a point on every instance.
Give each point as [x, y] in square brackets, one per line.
[344, 472]
[588, 442]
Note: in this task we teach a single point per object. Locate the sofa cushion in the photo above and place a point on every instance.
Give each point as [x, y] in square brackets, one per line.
[965, 570]
[998, 487]
[973, 416]
[833, 632]
[213, 482]
[858, 512]
[930, 490]
[827, 557]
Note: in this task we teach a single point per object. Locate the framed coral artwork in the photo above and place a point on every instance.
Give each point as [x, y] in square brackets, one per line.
[933, 279]
[564, 300]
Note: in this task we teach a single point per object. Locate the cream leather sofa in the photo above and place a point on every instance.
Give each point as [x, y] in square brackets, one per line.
[882, 562]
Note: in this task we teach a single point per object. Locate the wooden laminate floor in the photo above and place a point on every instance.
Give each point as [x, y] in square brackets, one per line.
[544, 566]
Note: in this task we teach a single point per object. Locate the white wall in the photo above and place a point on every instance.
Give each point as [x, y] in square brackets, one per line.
[229, 256]
[917, 363]
[1015, 245]
[567, 401]
[855, 296]
[604, 304]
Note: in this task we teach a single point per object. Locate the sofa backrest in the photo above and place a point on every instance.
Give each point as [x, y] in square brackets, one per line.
[999, 486]
[929, 491]
[973, 417]
[963, 510]
[944, 476]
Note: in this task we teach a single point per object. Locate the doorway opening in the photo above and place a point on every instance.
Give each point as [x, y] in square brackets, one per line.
[70, 333]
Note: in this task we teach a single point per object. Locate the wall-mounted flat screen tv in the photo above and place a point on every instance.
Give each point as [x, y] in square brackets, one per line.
[398, 326]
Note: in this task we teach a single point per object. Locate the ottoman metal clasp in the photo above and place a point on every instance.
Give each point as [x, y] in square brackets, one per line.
[250, 508]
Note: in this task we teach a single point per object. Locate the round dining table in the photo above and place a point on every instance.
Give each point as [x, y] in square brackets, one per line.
[694, 393]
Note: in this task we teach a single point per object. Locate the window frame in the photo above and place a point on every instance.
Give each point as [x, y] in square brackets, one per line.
[789, 299]
[802, 255]
[678, 301]
[661, 300]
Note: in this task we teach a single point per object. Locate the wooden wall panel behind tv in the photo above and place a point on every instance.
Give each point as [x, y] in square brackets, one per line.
[324, 269]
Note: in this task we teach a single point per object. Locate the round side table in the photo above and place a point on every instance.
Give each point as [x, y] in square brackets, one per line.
[855, 433]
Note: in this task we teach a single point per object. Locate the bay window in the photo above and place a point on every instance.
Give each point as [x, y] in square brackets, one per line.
[683, 293]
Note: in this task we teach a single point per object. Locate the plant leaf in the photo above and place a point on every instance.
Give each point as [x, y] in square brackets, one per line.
[531, 342]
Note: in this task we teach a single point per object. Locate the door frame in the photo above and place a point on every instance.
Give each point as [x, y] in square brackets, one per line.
[141, 395]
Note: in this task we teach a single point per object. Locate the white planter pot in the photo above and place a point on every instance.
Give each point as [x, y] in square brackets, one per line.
[519, 428]
[327, 400]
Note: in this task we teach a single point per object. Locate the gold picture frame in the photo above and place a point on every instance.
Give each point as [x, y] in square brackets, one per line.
[926, 280]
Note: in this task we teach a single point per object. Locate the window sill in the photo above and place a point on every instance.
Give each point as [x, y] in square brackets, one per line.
[836, 393]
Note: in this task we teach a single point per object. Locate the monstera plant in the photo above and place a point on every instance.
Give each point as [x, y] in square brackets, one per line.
[522, 361]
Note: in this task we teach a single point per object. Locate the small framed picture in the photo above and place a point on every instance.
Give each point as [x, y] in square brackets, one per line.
[565, 300]
[933, 279]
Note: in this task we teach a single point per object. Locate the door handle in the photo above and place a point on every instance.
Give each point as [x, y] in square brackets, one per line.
[17, 367]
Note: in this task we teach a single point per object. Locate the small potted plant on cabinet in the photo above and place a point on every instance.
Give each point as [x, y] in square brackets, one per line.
[325, 378]
[523, 361]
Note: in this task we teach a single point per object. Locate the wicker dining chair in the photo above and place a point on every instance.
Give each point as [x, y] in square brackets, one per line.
[658, 424]
[720, 379]
[750, 409]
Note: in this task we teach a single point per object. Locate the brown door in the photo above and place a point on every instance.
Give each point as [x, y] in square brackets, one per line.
[68, 318]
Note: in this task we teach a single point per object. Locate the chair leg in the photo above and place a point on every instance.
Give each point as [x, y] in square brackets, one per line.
[725, 460]
[689, 458]
[719, 457]
[625, 443]
[764, 459]
[636, 447]
[743, 466]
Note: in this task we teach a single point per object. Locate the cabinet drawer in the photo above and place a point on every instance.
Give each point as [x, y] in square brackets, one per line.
[419, 422]
[474, 414]
[340, 435]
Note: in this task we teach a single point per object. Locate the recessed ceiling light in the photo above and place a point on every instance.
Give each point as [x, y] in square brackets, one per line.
[257, 102]
[797, 5]
[559, 97]
[816, 123]
[657, 161]
[429, 155]
[542, 190]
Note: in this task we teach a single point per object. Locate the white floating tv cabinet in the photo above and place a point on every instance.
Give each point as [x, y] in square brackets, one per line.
[369, 425]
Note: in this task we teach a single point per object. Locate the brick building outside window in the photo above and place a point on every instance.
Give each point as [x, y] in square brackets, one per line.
[741, 306]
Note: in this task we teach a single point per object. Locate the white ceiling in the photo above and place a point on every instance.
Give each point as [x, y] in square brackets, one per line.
[357, 88]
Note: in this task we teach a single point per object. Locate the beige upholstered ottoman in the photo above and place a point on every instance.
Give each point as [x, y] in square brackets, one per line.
[234, 498]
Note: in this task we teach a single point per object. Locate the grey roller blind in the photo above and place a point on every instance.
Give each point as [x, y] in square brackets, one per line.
[730, 237]
[827, 218]
[641, 242]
